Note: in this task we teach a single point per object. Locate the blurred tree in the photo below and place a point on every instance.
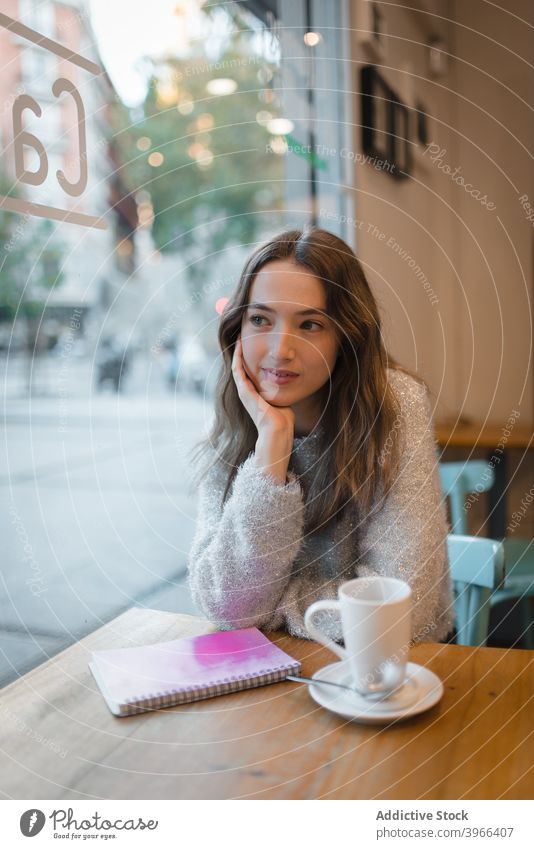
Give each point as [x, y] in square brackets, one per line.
[30, 258]
[197, 160]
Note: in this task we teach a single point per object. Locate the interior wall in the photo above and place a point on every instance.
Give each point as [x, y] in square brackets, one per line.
[493, 79]
[451, 264]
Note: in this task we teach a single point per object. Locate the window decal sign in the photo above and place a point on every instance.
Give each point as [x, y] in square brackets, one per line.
[24, 141]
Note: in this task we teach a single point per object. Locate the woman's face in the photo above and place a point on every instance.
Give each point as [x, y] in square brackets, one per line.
[289, 344]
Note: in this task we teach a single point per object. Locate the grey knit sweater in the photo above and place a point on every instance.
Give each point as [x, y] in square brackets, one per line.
[249, 564]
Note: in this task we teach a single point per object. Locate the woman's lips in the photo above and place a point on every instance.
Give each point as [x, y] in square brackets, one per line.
[279, 376]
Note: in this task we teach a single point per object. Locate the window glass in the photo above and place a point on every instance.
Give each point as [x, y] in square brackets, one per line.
[131, 199]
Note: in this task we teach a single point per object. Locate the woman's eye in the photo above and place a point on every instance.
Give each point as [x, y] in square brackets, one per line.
[257, 319]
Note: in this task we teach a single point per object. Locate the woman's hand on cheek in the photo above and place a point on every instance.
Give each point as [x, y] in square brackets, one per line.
[263, 414]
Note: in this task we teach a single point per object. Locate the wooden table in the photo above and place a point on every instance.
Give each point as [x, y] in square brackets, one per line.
[498, 440]
[464, 434]
[271, 742]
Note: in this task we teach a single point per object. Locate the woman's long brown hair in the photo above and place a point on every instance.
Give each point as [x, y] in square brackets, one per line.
[359, 446]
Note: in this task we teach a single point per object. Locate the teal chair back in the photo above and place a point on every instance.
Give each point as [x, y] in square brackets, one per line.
[458, 480]
[477, 568]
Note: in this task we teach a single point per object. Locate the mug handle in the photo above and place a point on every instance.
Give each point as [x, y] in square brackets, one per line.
[316, 633]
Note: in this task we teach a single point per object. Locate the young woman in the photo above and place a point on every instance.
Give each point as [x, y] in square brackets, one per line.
[321, 463]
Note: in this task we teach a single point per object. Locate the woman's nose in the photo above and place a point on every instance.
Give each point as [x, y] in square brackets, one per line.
[282, 345]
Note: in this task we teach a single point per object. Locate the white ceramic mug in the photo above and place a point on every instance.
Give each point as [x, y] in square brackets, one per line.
[376, 623]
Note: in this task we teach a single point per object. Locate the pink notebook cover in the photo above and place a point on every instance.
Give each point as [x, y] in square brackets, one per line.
[188, 669]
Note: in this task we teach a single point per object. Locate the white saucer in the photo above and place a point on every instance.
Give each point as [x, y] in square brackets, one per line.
[421, 690]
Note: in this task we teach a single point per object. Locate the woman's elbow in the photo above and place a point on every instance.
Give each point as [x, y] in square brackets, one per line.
[228, 609]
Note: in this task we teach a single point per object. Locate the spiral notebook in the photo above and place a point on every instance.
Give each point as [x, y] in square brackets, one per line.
[179, 671]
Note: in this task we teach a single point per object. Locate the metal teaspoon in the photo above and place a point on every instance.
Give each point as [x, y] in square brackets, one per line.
[371, 696]
[302, 679]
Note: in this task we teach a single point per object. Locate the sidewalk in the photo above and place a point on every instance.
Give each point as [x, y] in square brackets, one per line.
[98, 515]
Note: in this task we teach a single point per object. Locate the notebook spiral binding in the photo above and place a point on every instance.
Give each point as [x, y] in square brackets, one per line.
[232, 684]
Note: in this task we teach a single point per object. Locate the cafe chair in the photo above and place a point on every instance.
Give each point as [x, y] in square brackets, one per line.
[519, 583]
[477, 568]
[461, 480]
[458, 482]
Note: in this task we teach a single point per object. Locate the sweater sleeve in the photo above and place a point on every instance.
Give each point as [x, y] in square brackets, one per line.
[405, 537]
[241, 556]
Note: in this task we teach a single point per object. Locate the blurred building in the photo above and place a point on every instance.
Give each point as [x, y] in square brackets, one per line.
[91, 267]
